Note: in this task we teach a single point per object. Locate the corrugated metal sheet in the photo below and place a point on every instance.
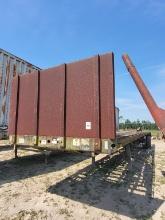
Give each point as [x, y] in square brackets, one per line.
[9, 66]
[82, 99]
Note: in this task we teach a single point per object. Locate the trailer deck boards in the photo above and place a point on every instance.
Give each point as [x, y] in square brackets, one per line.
[126, 137]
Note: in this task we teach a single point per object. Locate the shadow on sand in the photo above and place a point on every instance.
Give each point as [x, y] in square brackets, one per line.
[110, 186]
[33, 165]
[5, 147]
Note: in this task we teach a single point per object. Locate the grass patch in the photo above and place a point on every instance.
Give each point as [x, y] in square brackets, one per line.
[154, 133]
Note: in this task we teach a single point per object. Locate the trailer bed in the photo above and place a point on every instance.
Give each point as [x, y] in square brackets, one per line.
[128, 137]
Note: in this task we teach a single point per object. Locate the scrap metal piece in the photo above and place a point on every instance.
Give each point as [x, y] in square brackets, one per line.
[157, 113]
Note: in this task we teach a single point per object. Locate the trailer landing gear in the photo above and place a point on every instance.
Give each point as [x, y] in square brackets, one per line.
[128, 155]
[15, 151]
[93, 158]
[46, 154]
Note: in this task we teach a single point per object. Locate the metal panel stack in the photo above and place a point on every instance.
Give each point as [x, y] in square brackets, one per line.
[70, 107]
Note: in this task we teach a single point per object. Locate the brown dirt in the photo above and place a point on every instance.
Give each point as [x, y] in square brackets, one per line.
[69, 188]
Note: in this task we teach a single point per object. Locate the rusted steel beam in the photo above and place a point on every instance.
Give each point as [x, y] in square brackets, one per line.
[157, 113]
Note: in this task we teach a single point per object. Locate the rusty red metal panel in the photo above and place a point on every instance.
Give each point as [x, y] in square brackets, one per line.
[28, 101]
[82, 99]
[51, 104]
[13, 106]
[107, 97]
[157, 113]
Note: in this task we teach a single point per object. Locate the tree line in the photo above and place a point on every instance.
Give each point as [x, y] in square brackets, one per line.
[145, 125]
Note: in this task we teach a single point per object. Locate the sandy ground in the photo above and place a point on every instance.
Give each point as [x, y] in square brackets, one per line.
[68, 187]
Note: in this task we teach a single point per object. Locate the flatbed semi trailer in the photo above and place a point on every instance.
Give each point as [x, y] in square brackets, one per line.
[70, 107]
[123, 142]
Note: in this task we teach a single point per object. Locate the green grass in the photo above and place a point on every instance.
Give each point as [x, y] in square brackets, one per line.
[154, 132]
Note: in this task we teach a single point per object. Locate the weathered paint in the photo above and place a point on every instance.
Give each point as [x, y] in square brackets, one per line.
[82, 144]
[71, 102]
[82, 99]
[28, 105]
[107, 97]
[51, 106]
[13, 106]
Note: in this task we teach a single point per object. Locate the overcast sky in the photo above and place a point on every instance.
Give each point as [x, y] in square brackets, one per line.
[51, 32]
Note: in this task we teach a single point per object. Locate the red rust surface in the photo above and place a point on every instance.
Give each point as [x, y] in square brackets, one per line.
[81, 92]
[51, 104]
[13, 106]
[107, 97]
[27, 108]
[157, 113]
[82, 100]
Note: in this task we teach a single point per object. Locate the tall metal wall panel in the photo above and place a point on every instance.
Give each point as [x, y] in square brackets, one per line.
[27, 105]
[82, 99]
[51, 104]
[13, 106]
[107, 97]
